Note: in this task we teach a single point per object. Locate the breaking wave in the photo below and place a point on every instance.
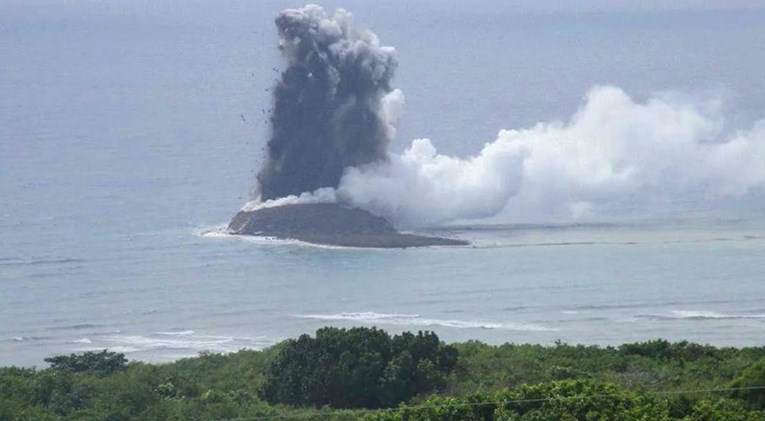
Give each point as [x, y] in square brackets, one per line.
[32, 261]
[417, 320]
[700, 315]
[181, 343]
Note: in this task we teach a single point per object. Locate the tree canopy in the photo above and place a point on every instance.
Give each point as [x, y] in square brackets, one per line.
[357, 368]
[411, 376]
[103, 362]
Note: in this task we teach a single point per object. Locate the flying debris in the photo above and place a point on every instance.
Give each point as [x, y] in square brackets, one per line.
[327, 105]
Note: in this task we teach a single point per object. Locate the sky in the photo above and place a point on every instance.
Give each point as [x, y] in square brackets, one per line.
[177, 85]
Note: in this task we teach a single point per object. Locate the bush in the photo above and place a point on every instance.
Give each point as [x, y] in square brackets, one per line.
[359, 367]
[562, 400]
[750, 384]
[571, 400]
[661, 349]
[103, 362]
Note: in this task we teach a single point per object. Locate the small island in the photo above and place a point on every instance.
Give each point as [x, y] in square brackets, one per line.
[330, 224]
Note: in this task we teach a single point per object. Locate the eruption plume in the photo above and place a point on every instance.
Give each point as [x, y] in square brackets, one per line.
[335, 113]
[329, 104]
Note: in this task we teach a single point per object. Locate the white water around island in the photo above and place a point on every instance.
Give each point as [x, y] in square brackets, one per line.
[129, 137]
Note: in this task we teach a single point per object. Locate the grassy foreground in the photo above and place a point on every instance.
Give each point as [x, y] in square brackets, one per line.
[364, 373]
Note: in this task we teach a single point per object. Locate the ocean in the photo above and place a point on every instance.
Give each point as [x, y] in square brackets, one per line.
[130, 135]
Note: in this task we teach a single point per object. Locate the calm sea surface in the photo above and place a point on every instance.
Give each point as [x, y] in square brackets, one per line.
[129, 136]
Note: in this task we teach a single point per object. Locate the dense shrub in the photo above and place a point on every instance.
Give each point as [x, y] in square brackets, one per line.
[664, 350]
[569, 400]
[103, 362]
[359, 367]
[751, 385]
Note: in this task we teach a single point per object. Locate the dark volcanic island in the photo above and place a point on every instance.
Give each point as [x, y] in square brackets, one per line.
[328, 115]
[329, 224]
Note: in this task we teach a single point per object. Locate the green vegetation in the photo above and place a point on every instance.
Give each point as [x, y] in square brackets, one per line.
[571, 400]
[365, 369]
[357, 368]
[103, 362]
[748, 384]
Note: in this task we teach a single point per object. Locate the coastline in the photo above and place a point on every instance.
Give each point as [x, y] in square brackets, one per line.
[330, 224]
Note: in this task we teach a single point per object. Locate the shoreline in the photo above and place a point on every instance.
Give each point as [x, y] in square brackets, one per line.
[330, 224]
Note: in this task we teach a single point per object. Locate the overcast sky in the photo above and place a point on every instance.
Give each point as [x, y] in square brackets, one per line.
[458, 5]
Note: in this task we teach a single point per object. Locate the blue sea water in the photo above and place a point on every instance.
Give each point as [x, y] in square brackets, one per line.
[129, 135]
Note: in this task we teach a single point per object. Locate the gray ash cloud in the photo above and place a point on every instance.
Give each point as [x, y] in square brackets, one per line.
[327, 111]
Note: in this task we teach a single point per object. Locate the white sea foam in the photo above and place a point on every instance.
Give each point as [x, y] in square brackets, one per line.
[184, 340]
[254, 239]
[25, 338]
[211, 230]
[417, 320]
[177, 333]
[213, 234]
[699, 315]
[147, 342]
[360, 316]
[124, 349]
[693, 314]
[275, 241]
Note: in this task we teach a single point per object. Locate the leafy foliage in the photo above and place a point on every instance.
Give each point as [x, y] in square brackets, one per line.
[565, 400]
[358, 367]
[103, 362]
[474, 381]
[654, 365]
[748, 384]
[664, 350]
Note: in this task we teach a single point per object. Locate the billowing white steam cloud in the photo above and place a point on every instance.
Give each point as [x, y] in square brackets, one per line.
[613, 148]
